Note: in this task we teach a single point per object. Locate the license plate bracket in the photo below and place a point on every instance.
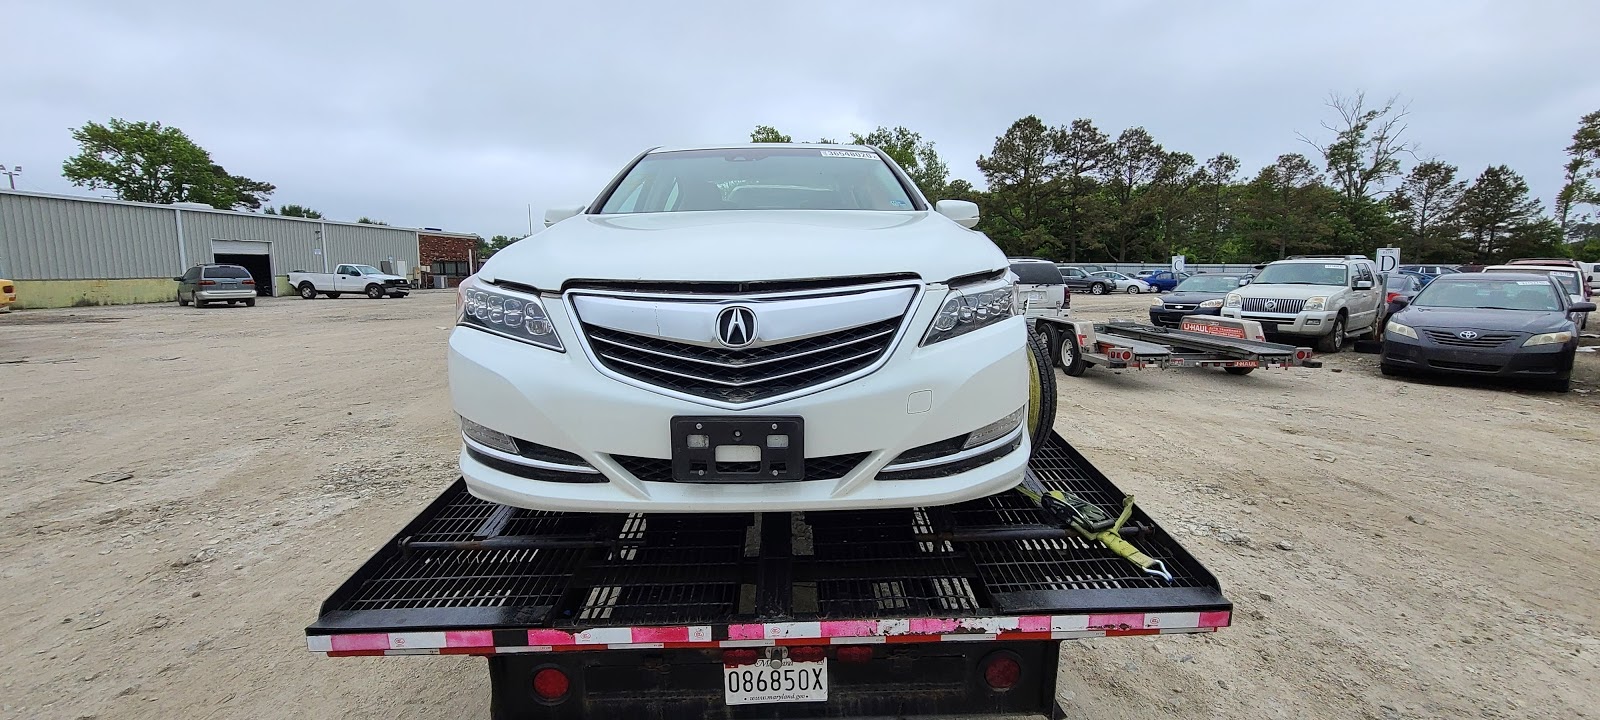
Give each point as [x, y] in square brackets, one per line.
[696, 442]
[775, 681]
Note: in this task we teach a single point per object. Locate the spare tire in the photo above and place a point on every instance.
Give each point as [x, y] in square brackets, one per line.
[1041, 390]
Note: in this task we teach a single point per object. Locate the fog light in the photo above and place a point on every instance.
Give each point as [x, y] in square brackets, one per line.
[996, 429]
[484, 436]
[1313, 322]
[551, 684]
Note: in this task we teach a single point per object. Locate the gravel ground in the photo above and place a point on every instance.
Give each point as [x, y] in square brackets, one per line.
[187, 485]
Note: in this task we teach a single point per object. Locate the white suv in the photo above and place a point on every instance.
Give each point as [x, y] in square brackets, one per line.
[766, 327]
[1327, 297]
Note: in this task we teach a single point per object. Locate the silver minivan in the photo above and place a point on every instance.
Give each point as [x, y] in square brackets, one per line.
[209, 283]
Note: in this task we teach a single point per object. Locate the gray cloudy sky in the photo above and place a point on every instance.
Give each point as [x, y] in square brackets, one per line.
[461, 114]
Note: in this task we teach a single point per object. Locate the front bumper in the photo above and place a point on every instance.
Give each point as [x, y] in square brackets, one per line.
[1511, 360]
[921, 395]
[212, 295]
[1309, 323]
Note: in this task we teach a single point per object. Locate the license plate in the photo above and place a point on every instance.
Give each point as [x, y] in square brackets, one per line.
[1035, 294]
[775, 681]
[738, 450]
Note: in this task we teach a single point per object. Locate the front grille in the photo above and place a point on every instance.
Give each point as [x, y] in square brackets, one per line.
[1278, 306]
[1485, 340]
[1180, 307]
[741, 375]
[829, 467]
[1470, 367]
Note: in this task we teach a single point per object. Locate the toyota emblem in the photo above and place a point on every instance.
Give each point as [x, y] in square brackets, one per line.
[1467, 335]
[736, 326]
[1271, 305]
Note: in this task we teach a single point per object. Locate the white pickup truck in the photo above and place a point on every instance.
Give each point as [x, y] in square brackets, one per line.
[349, 279]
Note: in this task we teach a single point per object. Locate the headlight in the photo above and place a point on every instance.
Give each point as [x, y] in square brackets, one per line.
[1157, 303]
[515, 315]
[1319, 302]
[1402, 330]
[967, 310]
[1555, 338]
[1212, 303]
[1233, 300]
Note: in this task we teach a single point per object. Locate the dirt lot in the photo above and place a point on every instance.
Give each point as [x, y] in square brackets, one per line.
[1395, 548]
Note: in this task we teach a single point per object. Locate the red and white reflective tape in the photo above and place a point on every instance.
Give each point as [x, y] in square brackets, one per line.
[835, 632]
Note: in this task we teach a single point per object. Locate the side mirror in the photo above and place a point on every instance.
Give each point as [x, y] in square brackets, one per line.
[179, 278]
[555, 215]
[1400, 302]
[964, 213]
[1244, 281]
[1362, 285]
[1583, 307]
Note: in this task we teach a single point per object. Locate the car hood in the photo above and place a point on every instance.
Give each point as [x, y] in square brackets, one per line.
[1522, 321]
[1288, 292]
[1190, 297]
[745, 246]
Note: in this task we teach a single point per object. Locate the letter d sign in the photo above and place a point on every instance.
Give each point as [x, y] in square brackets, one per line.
[1388, 259]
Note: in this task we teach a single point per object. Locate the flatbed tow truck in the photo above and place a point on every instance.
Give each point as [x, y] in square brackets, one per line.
[955, 611]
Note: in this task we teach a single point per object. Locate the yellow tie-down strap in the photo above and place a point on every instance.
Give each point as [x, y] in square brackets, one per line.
[1080, 515]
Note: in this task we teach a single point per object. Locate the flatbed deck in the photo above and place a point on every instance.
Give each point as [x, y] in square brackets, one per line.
[470, 577]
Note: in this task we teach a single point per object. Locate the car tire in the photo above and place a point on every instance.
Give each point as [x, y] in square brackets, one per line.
[182, 302]
[333, 296]
[1133, 290]
[375, 291]
[1239, 370]
[250, 303]
[198, 303]
[1041, 391]
[308, 291]
[1071, 356]
[1560, 385]
[1097, 289]
[1334, 340]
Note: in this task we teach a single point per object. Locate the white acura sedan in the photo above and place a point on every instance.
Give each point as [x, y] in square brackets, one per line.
[764, 327]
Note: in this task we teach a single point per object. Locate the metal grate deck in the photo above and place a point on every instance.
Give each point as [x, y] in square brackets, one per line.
[614, 570]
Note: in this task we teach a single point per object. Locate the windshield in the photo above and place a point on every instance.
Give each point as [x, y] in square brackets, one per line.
[227, 271]
[1114, 275]
[779, 178]
[1037, 273]
[1302, 273]
[1209, 283]
[1538, 295]
[1568, 280]
[367, 269]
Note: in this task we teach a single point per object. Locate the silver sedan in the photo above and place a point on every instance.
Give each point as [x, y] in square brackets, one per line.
[1131, 286]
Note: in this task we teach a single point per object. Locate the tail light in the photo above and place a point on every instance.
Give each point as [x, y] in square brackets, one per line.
[739, 657]
[208, 282]
[551, 684]
[1392, 296]
[807, 653]
[1302, 354]
[247, 282]
[857, 654]
[1001, 670]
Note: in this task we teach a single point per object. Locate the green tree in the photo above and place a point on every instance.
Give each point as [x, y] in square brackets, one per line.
[1022, 172]
[1214, 204]
[1583, 166]
[1133, 162]
[364, 220]
[915, 155]
[149, 162]
[1080, 151]
[1362, 157]
[292, 210]
[1427, 207]
[1494, 209]
[487, 248]
[768, 134]
[1286, 206]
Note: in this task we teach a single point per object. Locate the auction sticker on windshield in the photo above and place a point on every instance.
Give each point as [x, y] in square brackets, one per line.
[775, 681]
[849, 154]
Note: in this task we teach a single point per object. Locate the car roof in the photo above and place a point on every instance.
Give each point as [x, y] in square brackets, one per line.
[1485, 275]
[1531, 266]
[1331, 259]
[747, 146]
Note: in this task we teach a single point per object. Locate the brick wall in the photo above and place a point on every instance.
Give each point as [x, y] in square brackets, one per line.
[443, 247]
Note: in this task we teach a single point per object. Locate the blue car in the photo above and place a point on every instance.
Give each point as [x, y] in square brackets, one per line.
[1165, 280]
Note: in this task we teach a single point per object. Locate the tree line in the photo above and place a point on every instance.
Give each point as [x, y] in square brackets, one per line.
[1078, 193]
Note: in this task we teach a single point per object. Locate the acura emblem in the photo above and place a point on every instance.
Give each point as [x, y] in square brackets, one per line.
[736, 326]
[1467, 335]
[1271, 305]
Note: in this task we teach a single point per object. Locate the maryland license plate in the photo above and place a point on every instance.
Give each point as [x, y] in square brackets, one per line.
[775, 681]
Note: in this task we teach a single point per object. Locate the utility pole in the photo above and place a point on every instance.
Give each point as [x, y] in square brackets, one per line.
[11, 175]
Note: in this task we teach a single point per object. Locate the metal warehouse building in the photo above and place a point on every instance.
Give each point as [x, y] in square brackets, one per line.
[64, 251]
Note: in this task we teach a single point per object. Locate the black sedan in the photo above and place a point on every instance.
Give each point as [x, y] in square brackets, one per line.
[1487, 324]
[1196, 295]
